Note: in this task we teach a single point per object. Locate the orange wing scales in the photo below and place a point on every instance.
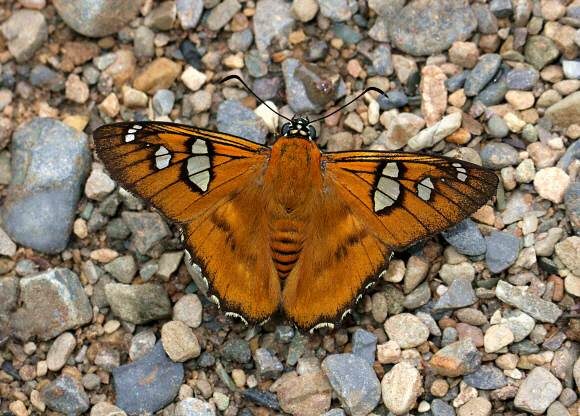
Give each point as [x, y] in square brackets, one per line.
[289, 229]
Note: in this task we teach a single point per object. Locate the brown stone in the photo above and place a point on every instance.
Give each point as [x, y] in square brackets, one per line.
[80, 52]
[309, 394]
[123, 69]
[464, 54]
[160, 74]
[433, 94]
[461, 136]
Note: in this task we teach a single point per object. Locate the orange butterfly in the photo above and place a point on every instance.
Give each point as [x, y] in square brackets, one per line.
[289, 228]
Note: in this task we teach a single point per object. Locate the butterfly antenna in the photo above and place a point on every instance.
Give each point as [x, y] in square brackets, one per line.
[253, 93]
[352, 101]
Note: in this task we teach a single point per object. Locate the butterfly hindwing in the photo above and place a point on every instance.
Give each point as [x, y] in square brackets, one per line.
[406, 197]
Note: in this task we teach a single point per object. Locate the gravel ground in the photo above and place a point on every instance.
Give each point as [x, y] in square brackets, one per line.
[101, 312]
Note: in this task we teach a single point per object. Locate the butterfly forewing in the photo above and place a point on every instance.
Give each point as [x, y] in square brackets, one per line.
[406, 197]
[174, 167]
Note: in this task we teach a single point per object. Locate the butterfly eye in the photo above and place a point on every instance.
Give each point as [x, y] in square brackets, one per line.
[285, 129]
[311, 132]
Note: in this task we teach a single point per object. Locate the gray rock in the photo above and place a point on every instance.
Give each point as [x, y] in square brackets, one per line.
[459, 295]
[50, 161]
[189, 12]
[97, 18]
[486, 20]
[440, 408]
[364, 345]
[522, 79]
[22, 44]
[518, 206]
[43, 294]
[537, 391]
[457, 81]
[566, 111]
[302, 91]
[162, 17]
[502, 251]
[497, 155]
[426, 27]
[268, 366]
[335, 10]
[192, 406]
[497, 127]
[495, 90]
[355, 382]
[572, 202]
[163, 102]
[237, 350]
[143, 43]
[571, 68]
[540, 51]
[138, 304]
[235, 118]
[163, 376]
[535, 307]
[148, 230]
[466, 238]
[9, 292]
[272, 18]
[521, 324]
[122, 268]
[65, 394]
[44, 77]
[501, 8]
[486, 377]
[458, 359]
[241, 42]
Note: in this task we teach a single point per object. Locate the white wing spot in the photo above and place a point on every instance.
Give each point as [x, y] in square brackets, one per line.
[344, 314]
[424, 189]
[265, 321]
[369, 285]
[322, 325]
[129, 138]
[359, 297]
[391, 170]
[197, 168]
[162, 158]
[131, 131]
[386, 193]
[199, 147]
[215, 300]
[137, 126]
[462, 177]
[461, 170]
[457, 165]
[237, 315]
[382, 275]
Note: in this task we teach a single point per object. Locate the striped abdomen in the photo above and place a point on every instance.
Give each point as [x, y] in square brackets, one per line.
[286, 245]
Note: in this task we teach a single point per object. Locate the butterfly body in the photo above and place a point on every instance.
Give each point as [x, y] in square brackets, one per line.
[289, 228]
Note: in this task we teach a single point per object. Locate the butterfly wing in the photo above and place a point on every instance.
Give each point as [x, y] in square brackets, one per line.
[209, 183]
[407, 197]
[375, 202]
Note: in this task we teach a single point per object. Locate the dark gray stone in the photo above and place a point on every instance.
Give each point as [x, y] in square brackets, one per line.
[50, 162]
[65, 394]
[148, 230]
[486, 20]
[272, 19]
[486, 377]
[497, 155]
[572, 202]
[237, 350]
[268, 366]
[235, 118]
[355, 382]
[502, 251]
[459, 295]
[484, 71]
[308, 87]
[522, 79]
[466, 238]
[495, 91]
[44, 77]
[52, 302]
[138, 304]
[364, 345]
[428, 27]
[148, 384]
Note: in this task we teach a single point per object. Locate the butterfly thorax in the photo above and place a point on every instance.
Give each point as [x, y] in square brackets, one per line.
[293, 175]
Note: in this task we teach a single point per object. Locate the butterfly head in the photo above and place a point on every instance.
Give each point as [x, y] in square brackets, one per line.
[299, 126]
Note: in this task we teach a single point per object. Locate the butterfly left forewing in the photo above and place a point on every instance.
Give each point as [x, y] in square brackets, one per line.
[175, 167]
[412, 196]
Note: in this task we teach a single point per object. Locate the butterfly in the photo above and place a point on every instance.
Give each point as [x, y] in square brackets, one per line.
[289, 228]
